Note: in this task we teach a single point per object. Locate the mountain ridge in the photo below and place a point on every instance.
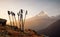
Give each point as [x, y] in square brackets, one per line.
[37, 22]
[52, 30]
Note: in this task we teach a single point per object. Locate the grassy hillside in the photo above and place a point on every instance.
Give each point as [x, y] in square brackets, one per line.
[12, 31]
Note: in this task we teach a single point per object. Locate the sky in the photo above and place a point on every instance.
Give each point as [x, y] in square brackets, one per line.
[52, 7]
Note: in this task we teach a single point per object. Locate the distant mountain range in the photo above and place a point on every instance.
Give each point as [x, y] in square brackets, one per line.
[53, 30]
[40, 21]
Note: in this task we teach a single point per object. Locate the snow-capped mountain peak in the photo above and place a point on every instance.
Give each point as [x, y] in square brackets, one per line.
[42, 13]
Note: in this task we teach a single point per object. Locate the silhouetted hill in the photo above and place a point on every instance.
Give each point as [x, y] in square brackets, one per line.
[58, 17]
[53, 30]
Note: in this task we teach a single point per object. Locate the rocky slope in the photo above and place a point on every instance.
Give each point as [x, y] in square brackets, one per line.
[12, 31]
